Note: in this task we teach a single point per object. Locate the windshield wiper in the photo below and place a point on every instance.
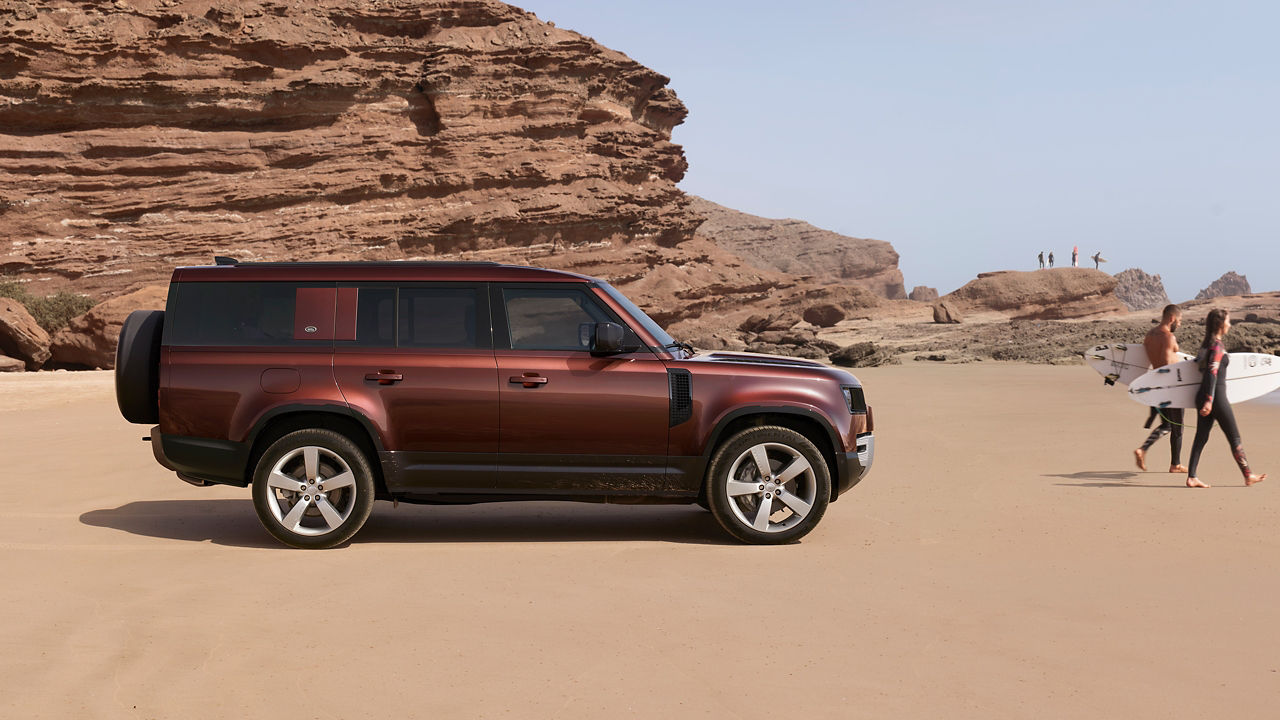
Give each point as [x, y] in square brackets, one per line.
[679, 345]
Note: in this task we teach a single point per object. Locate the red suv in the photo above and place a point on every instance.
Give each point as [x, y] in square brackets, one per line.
[328, 385]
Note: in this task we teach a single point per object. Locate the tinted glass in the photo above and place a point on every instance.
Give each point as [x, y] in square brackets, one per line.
[540, 319]
[232, 314]
[438, 317]
[376, 317]
[639, 315]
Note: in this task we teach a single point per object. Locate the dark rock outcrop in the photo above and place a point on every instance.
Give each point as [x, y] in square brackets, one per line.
[1056, 294]
[1229, 284]
[800, 249]
[1140, 291]
[864, 354]
[823, 315]
[21, 336]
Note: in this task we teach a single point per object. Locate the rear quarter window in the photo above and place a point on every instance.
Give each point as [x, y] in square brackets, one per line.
[240, 314]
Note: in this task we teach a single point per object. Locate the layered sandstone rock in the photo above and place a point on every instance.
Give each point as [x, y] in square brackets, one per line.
[1140, 291]
[143, 134]
[1229, 284]
[799, 249]
[21, 337]
[1056, 294]
[89, 341]
[923, 293]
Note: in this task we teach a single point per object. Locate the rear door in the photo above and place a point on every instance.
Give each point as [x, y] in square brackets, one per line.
[422, 369]
[573, 423]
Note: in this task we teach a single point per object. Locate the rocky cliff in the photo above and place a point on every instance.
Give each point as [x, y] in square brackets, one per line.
[1057, 294]
[1140, 291]
[797, 249]
[1229, 284]
[143, 134]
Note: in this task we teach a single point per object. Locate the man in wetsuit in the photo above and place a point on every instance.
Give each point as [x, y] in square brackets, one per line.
[1162, 349]
[1041, 259]
[1051, 259]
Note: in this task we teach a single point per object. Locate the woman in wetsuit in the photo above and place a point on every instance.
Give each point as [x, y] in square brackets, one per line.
[1212, 399]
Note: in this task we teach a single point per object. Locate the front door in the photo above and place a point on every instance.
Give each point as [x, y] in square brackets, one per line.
[573, 423]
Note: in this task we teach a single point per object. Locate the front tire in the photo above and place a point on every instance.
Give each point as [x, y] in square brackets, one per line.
[313, 489]
[768, 485]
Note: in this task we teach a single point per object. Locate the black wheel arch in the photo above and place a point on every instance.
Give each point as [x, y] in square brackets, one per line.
[282, 420]
[809, 423]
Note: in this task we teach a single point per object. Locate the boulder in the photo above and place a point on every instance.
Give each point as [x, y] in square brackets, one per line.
[946, 312]
[89, 341]
[21, 336]
[823, 315]
[863, 354]
[923, 293]
[765, 323]
[11, 364]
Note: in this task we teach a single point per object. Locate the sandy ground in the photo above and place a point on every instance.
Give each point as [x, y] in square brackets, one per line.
[1003, 560]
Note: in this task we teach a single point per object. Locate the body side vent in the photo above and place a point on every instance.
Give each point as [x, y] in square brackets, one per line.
[680, 387]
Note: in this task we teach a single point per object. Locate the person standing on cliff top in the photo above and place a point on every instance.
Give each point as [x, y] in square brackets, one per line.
[1097, 260]
[1041, 259]
[1051, 259]
[1162, 349]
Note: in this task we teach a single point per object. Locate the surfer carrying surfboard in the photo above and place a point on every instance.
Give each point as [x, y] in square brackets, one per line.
[1212, 399]
[1162, 349]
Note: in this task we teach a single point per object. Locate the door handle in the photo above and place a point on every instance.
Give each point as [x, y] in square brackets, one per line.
[385, 377]
[529, 379]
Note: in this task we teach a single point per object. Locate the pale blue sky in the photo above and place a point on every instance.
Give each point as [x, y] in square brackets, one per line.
[972, 135]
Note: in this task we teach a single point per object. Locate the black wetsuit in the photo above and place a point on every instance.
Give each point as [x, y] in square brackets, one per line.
[1171, 423]
[1213, 360]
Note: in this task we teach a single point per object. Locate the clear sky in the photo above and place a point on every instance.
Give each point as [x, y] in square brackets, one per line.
[973, 135]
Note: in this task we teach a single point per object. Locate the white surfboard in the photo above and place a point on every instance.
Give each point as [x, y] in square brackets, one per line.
[1249, 375]
[1120, 362]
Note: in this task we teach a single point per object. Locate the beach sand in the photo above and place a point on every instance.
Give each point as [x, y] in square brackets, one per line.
[1004, 559]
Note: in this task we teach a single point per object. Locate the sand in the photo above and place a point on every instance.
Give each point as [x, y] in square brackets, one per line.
[1003, 560]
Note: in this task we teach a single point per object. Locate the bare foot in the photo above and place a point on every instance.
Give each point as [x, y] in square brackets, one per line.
[1141, 456]
[1192, 482]
[1177, 468]
[1254, 479]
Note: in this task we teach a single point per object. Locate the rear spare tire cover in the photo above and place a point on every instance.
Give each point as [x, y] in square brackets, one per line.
[138, 366]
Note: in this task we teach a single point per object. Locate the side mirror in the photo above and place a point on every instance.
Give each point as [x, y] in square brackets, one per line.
[606, 339]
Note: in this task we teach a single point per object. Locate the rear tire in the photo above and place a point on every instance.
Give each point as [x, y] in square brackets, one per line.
[768, 485]
[313, 489]
[138, 366]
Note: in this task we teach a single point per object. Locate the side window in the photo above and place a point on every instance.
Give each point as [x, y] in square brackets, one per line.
[550, 319]
[230, 314]
[438, 317]
[376, 317]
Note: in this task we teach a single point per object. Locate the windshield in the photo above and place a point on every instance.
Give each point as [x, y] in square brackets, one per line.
[635, 312]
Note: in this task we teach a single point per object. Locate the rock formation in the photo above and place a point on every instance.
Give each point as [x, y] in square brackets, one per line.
[21, 337]
[800, 249]
[923, 293]
[1057, 294]
[945, 312]
[1140, 291]
[1227, 285]
[90, 339]
[143, 134]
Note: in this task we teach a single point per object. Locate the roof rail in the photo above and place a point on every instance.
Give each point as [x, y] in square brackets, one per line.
[224, 260]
